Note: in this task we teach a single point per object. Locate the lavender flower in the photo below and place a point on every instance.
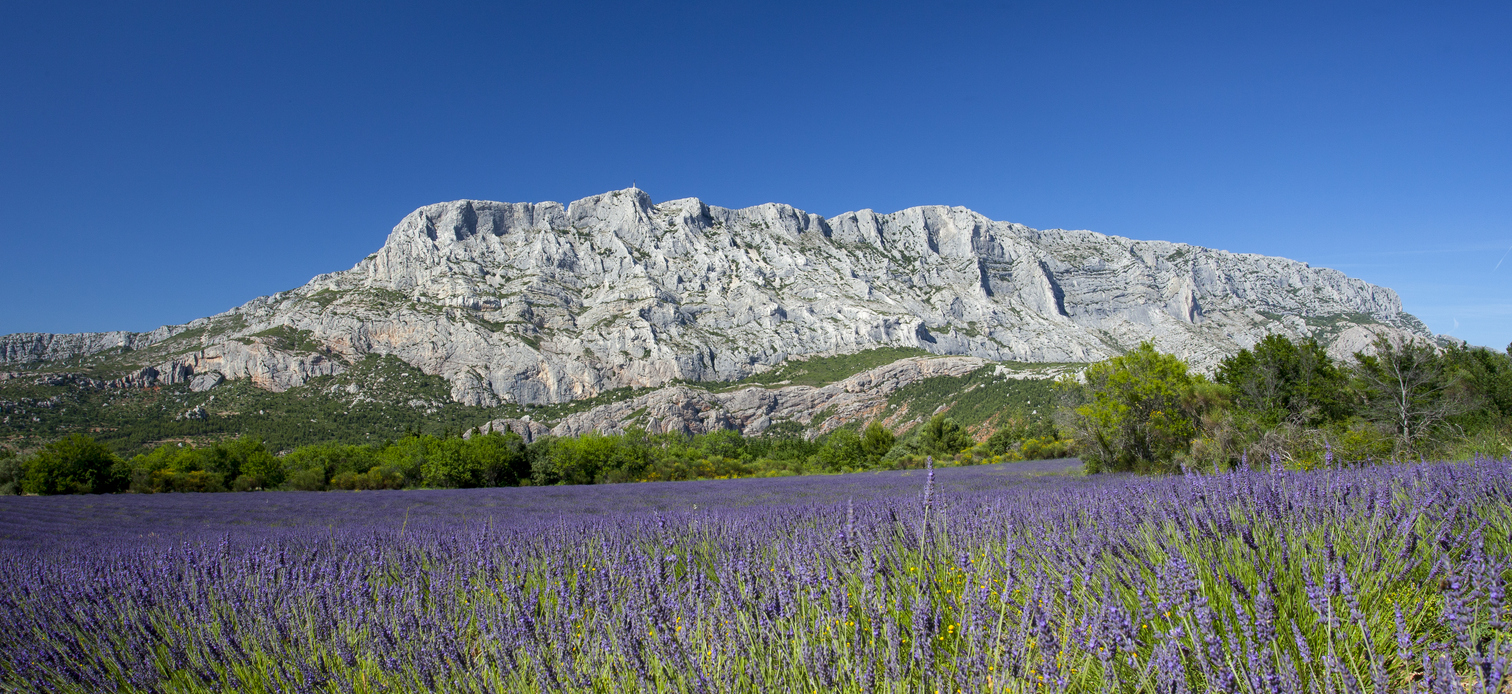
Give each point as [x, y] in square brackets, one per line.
[1077, 585]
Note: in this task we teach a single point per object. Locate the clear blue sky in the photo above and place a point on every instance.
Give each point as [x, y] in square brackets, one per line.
[161, 162]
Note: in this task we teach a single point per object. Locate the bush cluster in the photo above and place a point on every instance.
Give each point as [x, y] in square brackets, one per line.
[1289, 404]
[78, 464]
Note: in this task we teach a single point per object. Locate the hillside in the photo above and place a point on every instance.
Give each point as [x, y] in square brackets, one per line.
[381, 398]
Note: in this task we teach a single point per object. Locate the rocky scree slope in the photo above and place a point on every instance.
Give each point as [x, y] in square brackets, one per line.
[540, 303]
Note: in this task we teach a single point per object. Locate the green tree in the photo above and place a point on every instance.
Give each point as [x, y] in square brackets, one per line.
[499, 459]
[941, 436]
[1409, 388]
[842, 449]
[242, 464]
[11, 472]
[74, 465]
[1284, 381]
[1487, 374]
[405, 458]
[311, 468]
[876, 441]
[725, 443]
[166, 469]
[446, 466]
[589, 458]
[1140, 410]
[245, 463]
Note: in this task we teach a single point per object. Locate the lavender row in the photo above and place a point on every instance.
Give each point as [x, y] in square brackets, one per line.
[1381, 579]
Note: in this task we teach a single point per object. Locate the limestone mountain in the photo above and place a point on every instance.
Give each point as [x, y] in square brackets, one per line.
[541, 303]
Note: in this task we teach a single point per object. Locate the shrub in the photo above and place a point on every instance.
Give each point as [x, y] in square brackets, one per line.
[842, 449]
[242, 464]
[11, 472]
[677, 469]
[377, 477]
[1044, 448]
[74, 465]
[1017, 429]
[1362, 443]
[1286, 381]
[942, 436]
[325, 462]
[1141, 411]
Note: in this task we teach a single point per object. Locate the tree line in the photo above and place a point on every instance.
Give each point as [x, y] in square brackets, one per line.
[80, 464]
[1289, 403]
[1280, 402]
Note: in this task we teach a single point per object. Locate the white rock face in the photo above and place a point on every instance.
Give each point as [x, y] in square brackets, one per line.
[544, 303]
[528, 430]
[205, 381]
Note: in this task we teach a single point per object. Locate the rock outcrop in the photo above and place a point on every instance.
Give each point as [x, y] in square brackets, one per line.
[528, 430]
[206, 381]
[545, 303]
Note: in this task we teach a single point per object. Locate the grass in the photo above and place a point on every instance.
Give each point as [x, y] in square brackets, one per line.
[324, 298]
[289, 339]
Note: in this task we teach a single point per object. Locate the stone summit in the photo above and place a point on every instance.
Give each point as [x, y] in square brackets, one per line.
[542, 303]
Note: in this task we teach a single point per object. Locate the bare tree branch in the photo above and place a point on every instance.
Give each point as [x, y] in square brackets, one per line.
[1408, 387]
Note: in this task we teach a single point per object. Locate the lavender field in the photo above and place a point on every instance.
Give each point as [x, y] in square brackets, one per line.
[993, 578]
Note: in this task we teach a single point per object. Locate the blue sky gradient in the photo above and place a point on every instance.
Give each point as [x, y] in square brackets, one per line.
[165, 161]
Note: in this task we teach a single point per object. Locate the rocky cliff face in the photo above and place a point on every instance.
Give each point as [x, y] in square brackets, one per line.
[545, 303]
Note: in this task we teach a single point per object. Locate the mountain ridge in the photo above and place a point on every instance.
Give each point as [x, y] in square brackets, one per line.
[540, 303]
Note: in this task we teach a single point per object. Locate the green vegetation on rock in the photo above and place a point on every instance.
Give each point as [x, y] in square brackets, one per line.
[378, 398]
[821, 371]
